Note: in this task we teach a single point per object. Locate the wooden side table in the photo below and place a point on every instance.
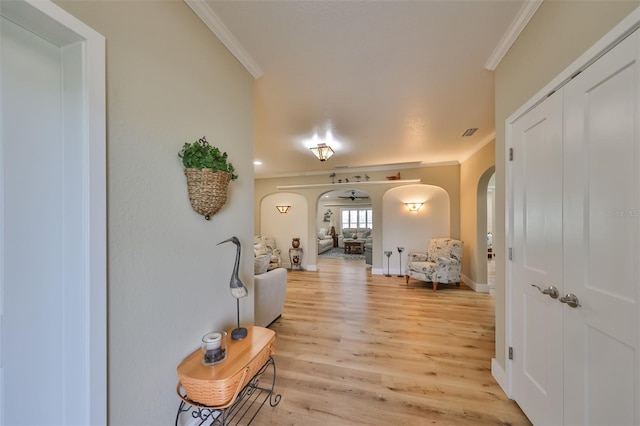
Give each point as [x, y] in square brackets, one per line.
[234, 384]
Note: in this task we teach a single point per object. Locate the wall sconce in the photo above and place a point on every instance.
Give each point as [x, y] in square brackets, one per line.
[322, 151]
[283, 209]
[414, 207]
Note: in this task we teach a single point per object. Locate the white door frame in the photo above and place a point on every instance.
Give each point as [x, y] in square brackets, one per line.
[52, 23]
[614, 36]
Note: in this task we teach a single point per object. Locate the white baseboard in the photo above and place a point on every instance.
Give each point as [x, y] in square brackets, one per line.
[376, 271]
[500, 376]
[312, 268]
[478, 288]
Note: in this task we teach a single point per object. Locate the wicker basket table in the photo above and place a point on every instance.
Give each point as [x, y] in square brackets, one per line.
[230, 390]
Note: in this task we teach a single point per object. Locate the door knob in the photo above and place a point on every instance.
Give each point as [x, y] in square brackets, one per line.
[551, 291]
[571, 300]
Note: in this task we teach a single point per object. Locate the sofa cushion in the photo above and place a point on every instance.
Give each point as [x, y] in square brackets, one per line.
[260, 264]
[347, 234]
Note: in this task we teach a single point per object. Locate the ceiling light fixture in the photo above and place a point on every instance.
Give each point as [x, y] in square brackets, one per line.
[322, 151]
[414, 207]
[283, 209]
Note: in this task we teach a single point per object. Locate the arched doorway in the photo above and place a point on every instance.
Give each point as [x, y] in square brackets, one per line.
[340, 212]
[485, 225]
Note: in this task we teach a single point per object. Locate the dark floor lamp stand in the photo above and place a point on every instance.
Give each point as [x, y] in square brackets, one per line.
[388, 254]
[400, 250]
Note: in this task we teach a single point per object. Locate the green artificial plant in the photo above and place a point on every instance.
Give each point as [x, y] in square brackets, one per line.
[201, 155]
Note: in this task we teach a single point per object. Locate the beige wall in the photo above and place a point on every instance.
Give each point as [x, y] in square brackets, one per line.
[446, 177]
[473, 201]
[169, 81]
[557, 35]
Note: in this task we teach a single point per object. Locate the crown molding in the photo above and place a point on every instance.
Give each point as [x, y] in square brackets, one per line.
[211, 20]
[478, 147]
[521, 20]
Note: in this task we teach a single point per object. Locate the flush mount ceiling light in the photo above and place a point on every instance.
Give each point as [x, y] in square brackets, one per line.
[283, 209]
[323, 151]
[414, 207]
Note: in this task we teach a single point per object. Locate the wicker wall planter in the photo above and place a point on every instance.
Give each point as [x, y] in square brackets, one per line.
[207, 190]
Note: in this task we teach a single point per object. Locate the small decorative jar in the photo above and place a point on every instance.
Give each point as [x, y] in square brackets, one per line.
[295, 243]
[214, 347]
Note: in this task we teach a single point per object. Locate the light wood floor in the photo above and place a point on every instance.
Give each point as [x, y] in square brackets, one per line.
[357, 349]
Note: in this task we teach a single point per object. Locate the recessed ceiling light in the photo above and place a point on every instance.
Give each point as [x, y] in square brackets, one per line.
[257, 163]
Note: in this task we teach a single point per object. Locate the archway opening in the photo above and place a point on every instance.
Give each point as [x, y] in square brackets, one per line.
[344, 224]
[486, 226]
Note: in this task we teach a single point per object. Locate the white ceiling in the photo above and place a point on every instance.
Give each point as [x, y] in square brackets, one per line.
[396, 82]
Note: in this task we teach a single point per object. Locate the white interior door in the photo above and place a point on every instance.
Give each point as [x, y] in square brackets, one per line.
[602, 237]
[536, 171]
[52, 219]
[576, 226]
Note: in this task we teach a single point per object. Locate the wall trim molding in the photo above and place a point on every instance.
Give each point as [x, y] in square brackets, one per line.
[500, 376]
[211, 20]
[521, 20]
[349, 184]
[478, 288]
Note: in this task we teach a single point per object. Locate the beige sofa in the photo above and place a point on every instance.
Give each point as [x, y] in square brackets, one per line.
[325, 240]
[362, 234]
[270, 289]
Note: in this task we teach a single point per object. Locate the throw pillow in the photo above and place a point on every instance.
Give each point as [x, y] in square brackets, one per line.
[347, 234]
[260, 264]
[365, 233]
[260, 249]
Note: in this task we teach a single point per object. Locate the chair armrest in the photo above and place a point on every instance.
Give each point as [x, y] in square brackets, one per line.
[447, 261]
[418, 257]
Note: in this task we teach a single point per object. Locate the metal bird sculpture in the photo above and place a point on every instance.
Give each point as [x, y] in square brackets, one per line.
[238, 289]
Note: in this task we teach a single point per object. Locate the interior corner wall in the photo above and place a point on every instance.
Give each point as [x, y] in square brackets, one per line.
[557, 35]
[474, 257]
[169, 81]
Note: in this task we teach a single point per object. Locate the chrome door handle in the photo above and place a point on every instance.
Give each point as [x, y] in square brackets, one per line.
[571, 300]
[551, 291]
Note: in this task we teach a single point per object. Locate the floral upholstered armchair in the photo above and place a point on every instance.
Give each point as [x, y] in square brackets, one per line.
[440, 264]
[263, 245]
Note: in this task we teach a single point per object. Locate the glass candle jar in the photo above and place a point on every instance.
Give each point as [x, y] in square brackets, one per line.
[214, 347]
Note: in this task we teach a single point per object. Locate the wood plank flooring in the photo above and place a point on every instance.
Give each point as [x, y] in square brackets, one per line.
[357, 349]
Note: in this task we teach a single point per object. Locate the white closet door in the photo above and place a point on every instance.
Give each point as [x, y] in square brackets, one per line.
[536, 170]
[602, 235]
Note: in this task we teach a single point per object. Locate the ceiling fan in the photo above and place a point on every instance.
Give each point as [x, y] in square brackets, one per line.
[354, 197]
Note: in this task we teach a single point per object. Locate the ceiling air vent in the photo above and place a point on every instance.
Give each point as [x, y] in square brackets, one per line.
[469, 132]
